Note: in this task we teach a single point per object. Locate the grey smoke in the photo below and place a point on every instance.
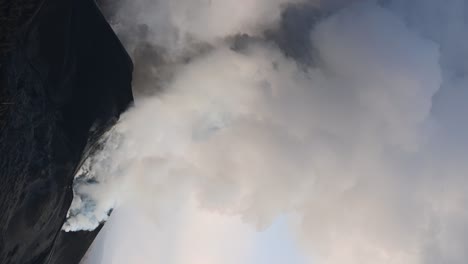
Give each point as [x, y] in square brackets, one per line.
[349, 114]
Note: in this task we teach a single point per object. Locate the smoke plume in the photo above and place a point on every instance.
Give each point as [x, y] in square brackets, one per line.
[347, 114]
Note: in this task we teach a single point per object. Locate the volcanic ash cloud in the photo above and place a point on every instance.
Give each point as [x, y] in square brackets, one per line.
[356, 143]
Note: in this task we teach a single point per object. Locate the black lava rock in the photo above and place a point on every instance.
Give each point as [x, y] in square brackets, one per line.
[64, 82]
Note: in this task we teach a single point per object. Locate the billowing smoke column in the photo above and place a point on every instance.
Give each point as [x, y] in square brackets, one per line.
[349, 114]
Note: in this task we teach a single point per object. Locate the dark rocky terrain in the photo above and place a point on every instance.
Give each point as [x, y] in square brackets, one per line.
[65, 78]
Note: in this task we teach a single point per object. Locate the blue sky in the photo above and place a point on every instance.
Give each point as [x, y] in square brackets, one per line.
[276, 245]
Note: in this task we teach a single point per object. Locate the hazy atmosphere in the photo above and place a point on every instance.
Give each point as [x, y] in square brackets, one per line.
[276, 131]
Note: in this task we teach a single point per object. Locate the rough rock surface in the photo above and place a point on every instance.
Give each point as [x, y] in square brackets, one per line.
[66, 80]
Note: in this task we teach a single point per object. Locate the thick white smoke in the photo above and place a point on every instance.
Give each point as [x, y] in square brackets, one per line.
[178, 25]
[367, 144]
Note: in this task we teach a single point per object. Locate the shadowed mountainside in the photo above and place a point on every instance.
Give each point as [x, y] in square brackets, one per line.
[66, 79]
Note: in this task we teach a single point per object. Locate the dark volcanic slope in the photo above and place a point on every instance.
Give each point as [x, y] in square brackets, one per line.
[66, 75]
